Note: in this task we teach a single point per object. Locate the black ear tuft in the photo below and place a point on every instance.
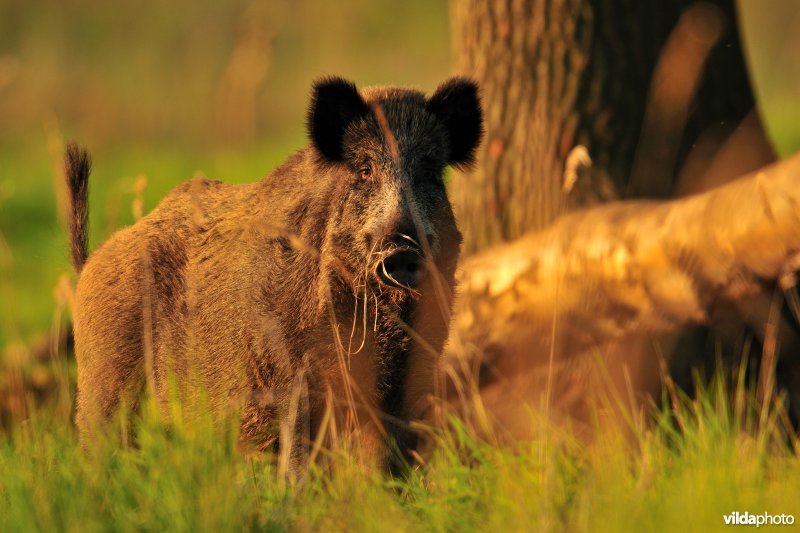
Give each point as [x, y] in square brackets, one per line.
[335, 103]
[457, 105]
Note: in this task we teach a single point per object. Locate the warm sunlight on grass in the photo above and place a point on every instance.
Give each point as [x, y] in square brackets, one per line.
[694, 466]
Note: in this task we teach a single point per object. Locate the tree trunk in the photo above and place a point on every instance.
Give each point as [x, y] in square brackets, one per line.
[557, 74]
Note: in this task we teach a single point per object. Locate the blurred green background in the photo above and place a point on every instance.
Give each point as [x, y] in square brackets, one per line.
[160, 91]
[771, 35]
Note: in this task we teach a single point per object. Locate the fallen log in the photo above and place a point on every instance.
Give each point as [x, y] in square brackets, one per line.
[609, 281]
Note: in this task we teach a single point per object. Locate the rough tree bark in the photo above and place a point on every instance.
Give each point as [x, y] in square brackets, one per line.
[556, 74]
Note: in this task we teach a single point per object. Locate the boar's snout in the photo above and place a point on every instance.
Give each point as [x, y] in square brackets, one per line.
[402, 264]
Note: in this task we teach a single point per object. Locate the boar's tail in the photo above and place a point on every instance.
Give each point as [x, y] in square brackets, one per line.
[77, 166]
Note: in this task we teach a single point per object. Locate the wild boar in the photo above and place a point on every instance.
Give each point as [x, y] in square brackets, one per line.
[326, 285]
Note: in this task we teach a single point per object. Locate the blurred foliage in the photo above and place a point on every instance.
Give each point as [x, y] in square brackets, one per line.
[771, 31]
[154, 71]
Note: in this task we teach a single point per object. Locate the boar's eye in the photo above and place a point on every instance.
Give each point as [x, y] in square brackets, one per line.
[365, 171]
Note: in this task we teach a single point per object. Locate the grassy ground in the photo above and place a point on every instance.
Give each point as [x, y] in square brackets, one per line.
[195, 479]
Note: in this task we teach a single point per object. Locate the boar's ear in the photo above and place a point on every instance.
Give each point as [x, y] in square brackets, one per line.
[457, 105]
[335, 103]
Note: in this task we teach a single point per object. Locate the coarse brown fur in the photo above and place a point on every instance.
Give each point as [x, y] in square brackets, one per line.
[265, 296]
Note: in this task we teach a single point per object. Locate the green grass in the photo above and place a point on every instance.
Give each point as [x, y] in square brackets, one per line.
[195, 479]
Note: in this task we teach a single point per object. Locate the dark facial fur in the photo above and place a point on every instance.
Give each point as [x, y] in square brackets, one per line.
[393, 146]
[388, 176]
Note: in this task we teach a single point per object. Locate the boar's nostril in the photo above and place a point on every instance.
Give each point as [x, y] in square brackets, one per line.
[404, 268]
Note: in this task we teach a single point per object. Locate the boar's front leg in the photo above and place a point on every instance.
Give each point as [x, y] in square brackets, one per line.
[276, 415]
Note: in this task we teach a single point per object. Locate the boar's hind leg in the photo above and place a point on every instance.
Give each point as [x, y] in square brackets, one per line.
[108, 350]
[106, 385]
